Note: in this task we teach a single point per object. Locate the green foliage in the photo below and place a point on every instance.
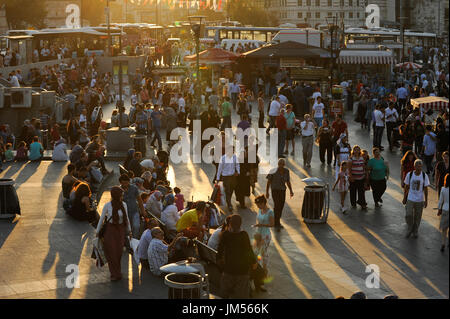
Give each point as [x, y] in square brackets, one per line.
[24, 14]
[248, 14]
[93, 11]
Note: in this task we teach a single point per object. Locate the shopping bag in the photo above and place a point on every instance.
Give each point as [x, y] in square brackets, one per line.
[215, 194]
[222, 201]
[98, 253]
[134, 244]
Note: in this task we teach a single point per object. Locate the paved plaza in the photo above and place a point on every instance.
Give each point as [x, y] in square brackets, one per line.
[306, 261]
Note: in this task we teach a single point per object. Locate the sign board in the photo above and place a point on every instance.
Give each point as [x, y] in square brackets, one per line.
[292, 62]
[309, 74]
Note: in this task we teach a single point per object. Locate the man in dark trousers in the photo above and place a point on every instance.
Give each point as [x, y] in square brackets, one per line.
[236, 256]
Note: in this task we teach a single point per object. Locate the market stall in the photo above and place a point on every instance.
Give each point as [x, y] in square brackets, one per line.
[376, 63]
[430, 102]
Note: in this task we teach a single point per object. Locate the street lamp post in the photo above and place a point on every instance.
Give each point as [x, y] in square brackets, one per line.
[109, 28]
[196, 24]
[333, 28]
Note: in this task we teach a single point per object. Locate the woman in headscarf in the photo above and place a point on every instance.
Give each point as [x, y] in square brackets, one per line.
[149, 182]
[130, 156]
[154, 204]
[60, 151]
[117, 225]
[169, 215]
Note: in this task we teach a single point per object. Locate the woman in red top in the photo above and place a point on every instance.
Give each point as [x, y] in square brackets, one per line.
[407, 165]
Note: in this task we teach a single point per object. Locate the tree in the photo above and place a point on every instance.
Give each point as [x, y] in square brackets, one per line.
[23, 14]
[248, 14]
[93, 11]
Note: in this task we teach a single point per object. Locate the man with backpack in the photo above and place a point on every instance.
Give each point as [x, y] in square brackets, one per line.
[415, 197]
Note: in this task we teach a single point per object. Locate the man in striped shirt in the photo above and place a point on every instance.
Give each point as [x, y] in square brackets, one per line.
[158, 250]
[357, 178]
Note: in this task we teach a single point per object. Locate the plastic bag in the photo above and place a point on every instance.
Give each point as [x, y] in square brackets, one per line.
[134, 244]
[98, 253]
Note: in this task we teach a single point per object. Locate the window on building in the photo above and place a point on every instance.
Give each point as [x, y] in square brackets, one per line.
[299, 3]
[330, 14]
[350, 3]
[317, 15]
[299, 15]
[317, 3]
[358, 15]
[308, 3]
[342, 15]
[330, 3]
[308, 15]
[350, 15]
[342, 3]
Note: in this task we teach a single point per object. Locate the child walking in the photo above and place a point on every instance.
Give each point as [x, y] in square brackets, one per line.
[343, 184]
[179, 199]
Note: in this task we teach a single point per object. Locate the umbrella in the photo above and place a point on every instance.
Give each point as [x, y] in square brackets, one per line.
[213, 56]
[147, 164]
[409, 66]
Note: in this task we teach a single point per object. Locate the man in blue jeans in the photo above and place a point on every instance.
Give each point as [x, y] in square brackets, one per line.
[277, 180]
[156, 126]
[135, 206]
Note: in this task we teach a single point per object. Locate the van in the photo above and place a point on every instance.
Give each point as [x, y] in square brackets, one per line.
[308, 36]
[227, 43]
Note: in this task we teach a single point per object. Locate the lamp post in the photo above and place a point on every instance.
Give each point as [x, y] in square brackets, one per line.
[333, 28]
[109, 28]
[196, 24]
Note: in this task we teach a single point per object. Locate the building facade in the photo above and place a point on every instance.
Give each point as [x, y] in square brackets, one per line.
[313, 13]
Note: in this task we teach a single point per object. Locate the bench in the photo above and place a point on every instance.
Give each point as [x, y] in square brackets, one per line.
[209, 257]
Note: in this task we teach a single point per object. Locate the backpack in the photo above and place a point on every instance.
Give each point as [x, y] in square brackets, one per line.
[409, 177]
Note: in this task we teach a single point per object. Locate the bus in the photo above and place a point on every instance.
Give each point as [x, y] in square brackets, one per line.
[219, 33]
[383, 36]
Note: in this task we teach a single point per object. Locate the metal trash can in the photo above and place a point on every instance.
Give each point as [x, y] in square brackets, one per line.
[140, 144]
[9, 201]
[316, 202]
[184, 286]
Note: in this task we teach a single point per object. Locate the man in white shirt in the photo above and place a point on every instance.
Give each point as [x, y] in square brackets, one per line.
[158, 251]
[307, 127]
[415, 197]
[378, 115]
[318, 111]
[228, 171]
[274, 111]
[144, 242]
[392, 117]
[235, 89]
[316, 94]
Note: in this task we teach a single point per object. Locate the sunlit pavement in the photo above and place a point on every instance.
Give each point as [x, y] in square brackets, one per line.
[306, 261]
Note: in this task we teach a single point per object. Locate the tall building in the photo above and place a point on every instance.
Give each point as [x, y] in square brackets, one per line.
[350, 13]
[421, 15]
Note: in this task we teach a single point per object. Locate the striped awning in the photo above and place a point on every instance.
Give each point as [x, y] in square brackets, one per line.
[430, 102]
[365, 57]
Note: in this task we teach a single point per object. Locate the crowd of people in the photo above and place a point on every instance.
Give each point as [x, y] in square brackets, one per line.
[146, 207]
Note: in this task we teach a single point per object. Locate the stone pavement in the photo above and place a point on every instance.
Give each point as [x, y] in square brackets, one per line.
[306, 261]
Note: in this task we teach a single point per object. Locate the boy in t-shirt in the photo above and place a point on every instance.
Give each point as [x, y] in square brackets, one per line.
[415, 197]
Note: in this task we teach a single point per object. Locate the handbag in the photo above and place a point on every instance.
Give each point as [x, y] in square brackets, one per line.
[102, 230]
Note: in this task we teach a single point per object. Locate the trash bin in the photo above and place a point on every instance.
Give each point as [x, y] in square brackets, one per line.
[315, 206]
[9, 201]
[140, 144]
[184, 286]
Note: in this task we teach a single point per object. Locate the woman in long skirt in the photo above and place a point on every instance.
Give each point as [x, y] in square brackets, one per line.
[265, 220]
[443, 212]
[117, 225]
